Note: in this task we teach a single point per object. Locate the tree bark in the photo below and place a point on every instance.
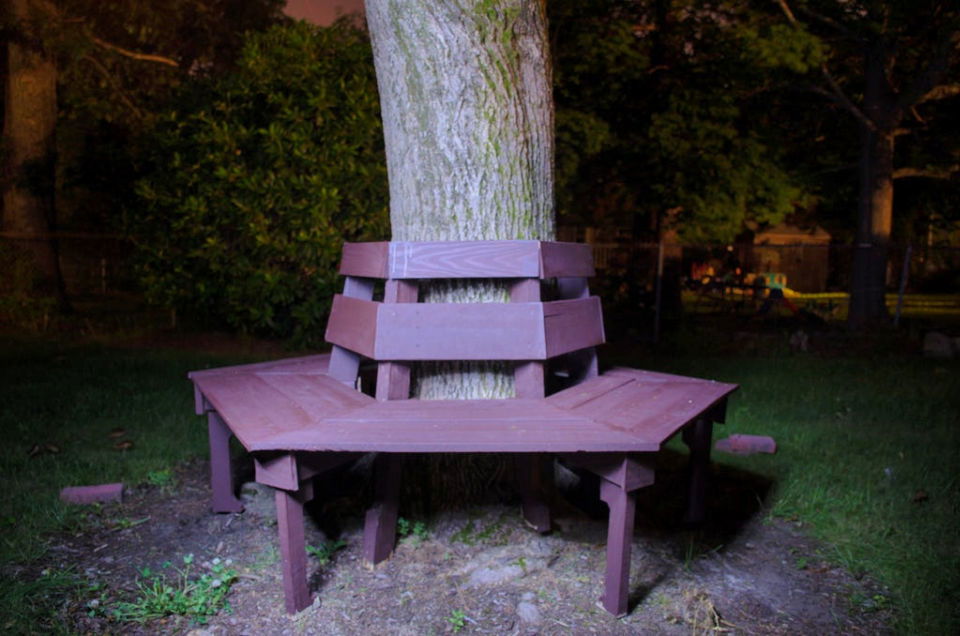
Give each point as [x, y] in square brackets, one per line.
[29, 131]
[875, 206]
[466, 100]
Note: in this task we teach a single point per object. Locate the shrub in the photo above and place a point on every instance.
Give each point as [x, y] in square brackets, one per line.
[254, 179]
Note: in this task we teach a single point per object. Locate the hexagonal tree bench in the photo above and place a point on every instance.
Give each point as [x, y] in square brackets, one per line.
[303, 416]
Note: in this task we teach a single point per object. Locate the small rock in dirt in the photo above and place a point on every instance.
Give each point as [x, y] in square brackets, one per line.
[493, 576]
[528, 613]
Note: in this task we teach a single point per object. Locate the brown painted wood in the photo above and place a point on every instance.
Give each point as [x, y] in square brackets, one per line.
[380, 525]
[344, 363]
[571, 325]
[302, 416]
[366, 260]
[353, 325]
[465, 331]
[622, 505]
[221, 467]
[293, 553]
[393, 378]
[277, 470]
[255, 410]
[465, 259]
[566, 260]
[455, 331]
[307, 365]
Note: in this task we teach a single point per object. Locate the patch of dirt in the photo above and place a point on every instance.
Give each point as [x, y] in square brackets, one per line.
[476, 569]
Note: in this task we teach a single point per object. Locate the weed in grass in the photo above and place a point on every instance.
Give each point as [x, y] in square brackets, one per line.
[325, 551]
[28, 607]
[186, 594]
[415, 532]
[163, 479]
[458, 620]
[466, 534]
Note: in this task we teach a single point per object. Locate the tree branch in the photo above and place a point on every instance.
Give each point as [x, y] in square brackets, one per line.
[146, 57]
[107, 75]
[940, 92]
[836, 92]
[926, 173]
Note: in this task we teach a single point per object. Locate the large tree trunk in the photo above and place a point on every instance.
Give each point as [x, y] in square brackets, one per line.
[29, 126]
[875, 208]
[465, 94]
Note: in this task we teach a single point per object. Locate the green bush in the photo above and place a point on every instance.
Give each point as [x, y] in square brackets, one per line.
[254, 179]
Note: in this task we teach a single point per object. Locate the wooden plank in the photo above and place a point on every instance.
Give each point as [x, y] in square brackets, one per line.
[459, 426]
[393, 378]
[277, 471]
[460, 331]
[368, 260]
[561, 260]
[654, 411]
[571, 325]
[585, 392]
[464, 259]
[345, 364]
[353, 324]
[314, 364]
[257, 407]
[528, 376]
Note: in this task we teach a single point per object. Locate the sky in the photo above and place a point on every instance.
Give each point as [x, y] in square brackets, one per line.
[322, 12]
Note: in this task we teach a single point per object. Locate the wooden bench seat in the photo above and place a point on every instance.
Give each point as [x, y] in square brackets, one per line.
[302, 416]
[293, 407]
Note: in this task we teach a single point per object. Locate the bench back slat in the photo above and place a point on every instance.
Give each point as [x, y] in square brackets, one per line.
[344, 363]
[464, 331]
[466, 259]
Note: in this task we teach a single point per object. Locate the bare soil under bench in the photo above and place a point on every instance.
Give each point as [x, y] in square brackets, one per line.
[471, 568]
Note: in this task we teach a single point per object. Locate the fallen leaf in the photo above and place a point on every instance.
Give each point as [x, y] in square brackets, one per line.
[124, 445]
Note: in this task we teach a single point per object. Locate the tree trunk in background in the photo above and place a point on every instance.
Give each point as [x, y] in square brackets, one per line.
[466, 100]
[29, 127]
[875, 207]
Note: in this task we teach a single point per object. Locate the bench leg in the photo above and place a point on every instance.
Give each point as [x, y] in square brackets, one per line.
[622, 505]
[380, 525]
[533, 482]
[221, 468]
[698, 437]
[293, 551]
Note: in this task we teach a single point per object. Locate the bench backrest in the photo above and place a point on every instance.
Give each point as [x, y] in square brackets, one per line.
[528, 330]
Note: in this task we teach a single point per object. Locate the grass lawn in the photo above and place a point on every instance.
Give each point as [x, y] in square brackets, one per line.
[869, 450]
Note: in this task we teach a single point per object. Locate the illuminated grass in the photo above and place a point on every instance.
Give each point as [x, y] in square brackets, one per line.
[860, 437]
[867, 460]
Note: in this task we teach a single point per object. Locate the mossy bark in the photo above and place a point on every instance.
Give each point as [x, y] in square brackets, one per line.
[465, 95]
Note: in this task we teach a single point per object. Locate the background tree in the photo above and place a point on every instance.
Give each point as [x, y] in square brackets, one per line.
[887, 65]
[83, 77]
[660, 114]
[254, 179]
[29, 147]
[468, 125]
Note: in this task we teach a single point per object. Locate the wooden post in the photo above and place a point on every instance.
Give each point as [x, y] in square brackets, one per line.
[380, 525]
[221, 468]
[622, 505]
[293, 553]
[697, 437]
